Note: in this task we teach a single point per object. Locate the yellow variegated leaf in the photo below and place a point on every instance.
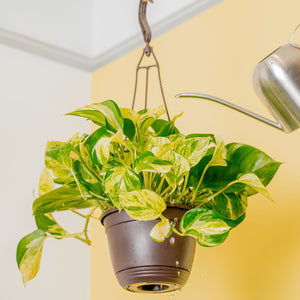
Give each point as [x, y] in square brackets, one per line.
[163, 150]
[161, 230]
[143, 205]
[148, 162]
[46, 183]
[219, 156]
[130, 114]
[157, 141]
[254, 182]
[205, 225]
[193, 149]
[180, 166]
[29, 254]
[121, 180]
[102, 147]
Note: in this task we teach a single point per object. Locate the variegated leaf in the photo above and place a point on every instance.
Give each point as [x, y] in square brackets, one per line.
[157, 141]
[102, 147]
[254, 182]
[161, 230]
[121, 180]
[130, 114]
[105, 114]
[148, 162]
[46, 183]
[163, 150]
[231, 205]
[29, 252]
[147, 118]
[143, 205]
[205, 225]
[219, 156]
[193, 149]
[179, 168]
[61, 199]
[47, 223]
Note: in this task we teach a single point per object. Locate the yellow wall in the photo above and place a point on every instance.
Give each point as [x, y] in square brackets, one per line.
[216, 53]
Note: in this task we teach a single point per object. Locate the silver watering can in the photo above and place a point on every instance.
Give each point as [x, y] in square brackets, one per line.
[276, 80]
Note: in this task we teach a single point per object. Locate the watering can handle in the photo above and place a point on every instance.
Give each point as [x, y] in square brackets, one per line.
[233, 106]
[293, 33]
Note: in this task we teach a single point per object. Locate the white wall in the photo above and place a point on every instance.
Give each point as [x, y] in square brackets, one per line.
[34, 93]
[65, 24]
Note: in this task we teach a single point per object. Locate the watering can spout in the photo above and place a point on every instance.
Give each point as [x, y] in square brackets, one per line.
[277, 125]
[276, 80]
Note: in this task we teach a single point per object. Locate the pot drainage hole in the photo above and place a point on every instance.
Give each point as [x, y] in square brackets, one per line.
[153, 287]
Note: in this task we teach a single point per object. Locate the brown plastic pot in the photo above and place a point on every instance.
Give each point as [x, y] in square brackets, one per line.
[141, 264]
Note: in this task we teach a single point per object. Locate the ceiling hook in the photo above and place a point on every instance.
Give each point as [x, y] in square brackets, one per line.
[145, 26]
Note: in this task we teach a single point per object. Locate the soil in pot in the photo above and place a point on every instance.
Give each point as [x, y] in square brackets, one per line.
[141, 264]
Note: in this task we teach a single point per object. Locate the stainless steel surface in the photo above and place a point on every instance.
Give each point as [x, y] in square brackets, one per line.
[276, 80]
[228, 104]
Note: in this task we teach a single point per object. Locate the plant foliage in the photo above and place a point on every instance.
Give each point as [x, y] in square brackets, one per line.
[141, 163]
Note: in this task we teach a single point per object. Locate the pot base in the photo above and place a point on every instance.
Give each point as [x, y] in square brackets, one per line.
[153, 279]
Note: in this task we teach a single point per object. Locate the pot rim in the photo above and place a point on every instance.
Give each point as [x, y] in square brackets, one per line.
[169, 205]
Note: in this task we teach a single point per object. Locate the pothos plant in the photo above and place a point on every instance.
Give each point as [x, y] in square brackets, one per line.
[140, 162]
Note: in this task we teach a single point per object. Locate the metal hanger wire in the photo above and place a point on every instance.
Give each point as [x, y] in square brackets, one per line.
[148, 51]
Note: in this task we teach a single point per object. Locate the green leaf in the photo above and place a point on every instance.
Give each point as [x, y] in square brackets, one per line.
[205, 225]
[234, 223]
[241, 159]
[143, 205]
[254, 182]
[165, 128]
[29, 252]
[85, 179]
[47, 223]
[105, 114]
[129, 129]
[231, 205]
[147, 161]
[247, 159]
[121, 180]
[161, 230]
[193, 149]
[46, 183]
[61, 199]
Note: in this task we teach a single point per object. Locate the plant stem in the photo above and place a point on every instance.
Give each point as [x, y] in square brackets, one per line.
[158, 190]
[217, 193]
[199, 184]
[78, 213]
[87, 224]
[177, 232]
[183, 193]
[166, 191]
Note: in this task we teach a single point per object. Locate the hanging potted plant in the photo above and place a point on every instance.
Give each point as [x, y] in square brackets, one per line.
[159, 191]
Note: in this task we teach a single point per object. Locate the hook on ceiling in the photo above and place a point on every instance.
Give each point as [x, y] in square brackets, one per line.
[145, 26]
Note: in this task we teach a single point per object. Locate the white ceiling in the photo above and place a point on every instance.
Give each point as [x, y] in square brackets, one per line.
[88, 33]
